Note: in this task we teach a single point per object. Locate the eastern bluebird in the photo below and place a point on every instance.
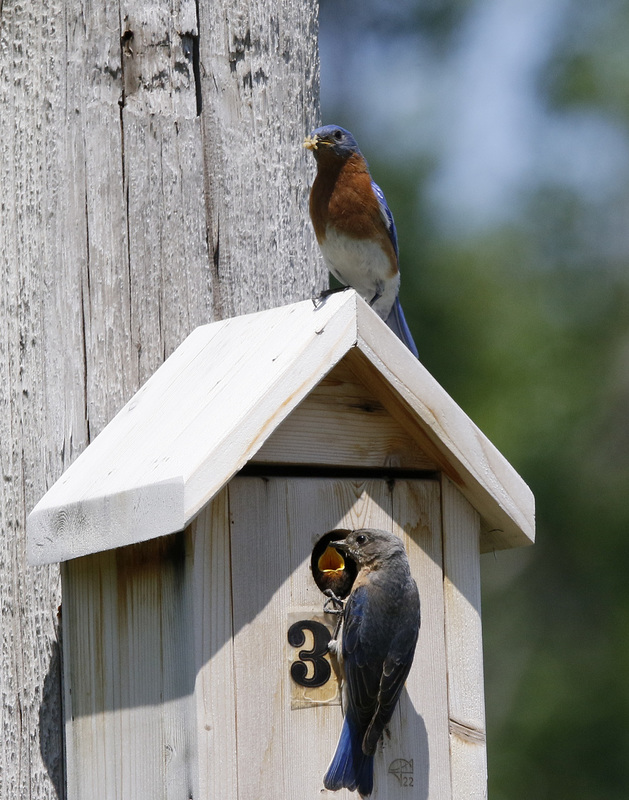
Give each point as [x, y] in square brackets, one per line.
[380, 627]
[354, 226]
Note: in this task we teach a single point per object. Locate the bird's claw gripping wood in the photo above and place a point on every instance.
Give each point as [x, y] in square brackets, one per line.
[334, 604]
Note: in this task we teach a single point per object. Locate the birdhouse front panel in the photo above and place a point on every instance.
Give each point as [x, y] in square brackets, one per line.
[178, 650]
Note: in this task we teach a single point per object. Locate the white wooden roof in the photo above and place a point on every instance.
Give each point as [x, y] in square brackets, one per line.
[209, 408]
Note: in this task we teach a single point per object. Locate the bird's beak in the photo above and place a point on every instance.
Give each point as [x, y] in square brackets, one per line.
[331, 560]
[342, 545]
[311, 142]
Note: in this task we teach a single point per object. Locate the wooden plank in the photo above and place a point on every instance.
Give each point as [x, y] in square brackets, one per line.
[416, 507]
[91, 658]
[215, 692]
[129, 674]
[464, 645]
[104, 523]
[276, 523]
[341, 424]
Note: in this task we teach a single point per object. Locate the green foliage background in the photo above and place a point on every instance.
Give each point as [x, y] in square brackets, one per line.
[525, 323]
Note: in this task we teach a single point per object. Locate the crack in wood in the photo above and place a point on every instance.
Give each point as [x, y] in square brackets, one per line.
[467, 733]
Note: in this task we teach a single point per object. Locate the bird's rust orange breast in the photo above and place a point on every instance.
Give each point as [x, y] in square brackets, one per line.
[342, 196]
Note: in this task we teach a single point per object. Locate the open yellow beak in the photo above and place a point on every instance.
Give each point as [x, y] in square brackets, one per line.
[331, 560]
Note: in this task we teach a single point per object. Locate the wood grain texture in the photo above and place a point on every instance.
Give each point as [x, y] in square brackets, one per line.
[129, 673]
[128, 208]
[464, 645]
[215, 693]
[341, 424]
[286, 751]
[260, 79]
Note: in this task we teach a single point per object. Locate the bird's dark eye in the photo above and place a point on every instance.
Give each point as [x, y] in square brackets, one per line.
[361, 538]
[338, 135]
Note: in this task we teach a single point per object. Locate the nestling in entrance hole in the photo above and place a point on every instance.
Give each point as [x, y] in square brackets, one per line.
[331, 569]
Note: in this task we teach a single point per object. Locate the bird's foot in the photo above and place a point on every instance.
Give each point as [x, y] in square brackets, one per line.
[334, 604]
[319, 299]
[378, 294]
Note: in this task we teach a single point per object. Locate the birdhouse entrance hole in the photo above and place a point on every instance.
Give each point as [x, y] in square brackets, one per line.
[332, 570]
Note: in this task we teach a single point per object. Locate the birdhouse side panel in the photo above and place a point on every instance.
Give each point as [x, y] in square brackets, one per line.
[464, 645]
[128, 673]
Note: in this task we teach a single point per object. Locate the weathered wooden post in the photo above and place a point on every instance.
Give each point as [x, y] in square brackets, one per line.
[190, 530]
[151, 180]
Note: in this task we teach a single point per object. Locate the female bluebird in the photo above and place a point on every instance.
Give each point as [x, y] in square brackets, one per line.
[380, 627]
[354, 226]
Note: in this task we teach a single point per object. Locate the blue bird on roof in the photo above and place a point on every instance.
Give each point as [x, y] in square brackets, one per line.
[354, 226]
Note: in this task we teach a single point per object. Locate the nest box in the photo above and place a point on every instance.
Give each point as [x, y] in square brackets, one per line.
[191, 532]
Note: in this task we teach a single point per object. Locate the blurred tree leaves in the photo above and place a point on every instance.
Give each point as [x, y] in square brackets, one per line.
[526, 325]
[589, 66]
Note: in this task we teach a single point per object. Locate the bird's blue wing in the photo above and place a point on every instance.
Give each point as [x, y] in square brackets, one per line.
[387, 216]
[391, 684]
[397, 322]
[395, 668]
[352, 621]
[351, 767]
[396, 319]
[362, 672]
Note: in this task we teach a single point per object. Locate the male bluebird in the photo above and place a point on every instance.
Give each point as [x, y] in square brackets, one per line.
[354, 226]
[380, 627]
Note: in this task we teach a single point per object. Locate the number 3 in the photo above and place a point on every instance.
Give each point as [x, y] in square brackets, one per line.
[321, 670]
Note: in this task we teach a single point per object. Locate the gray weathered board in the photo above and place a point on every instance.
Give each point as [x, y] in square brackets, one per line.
[152, 179]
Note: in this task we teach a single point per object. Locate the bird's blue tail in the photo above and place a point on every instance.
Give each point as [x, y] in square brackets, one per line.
[397, 322]
[350, 768]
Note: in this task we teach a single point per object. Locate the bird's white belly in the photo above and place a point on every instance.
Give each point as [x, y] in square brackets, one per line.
[364, 266]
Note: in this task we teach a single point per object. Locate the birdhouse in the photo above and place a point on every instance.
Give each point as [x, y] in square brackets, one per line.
[193, 533]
